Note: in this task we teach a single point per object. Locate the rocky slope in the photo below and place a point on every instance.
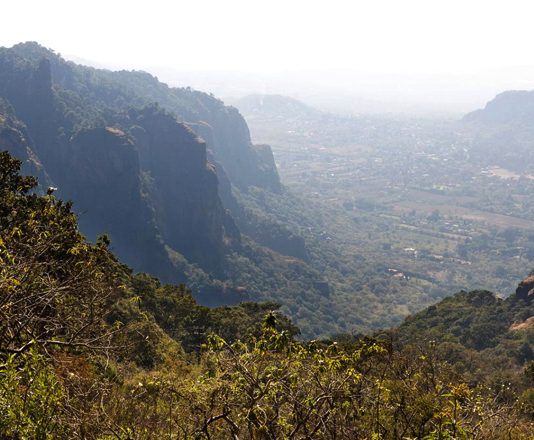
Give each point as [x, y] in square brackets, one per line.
[229, 138]
[156, 169]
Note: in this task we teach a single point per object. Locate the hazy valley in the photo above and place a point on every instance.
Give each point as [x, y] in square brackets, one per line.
[184, 268]
[424, 199]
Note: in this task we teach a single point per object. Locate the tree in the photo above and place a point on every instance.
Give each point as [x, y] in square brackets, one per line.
[56, 288]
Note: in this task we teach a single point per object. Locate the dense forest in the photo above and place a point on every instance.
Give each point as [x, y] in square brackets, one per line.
[88, 349]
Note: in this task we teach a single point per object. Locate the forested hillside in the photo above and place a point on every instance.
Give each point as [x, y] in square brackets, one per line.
[157, 169]
[90, 350]
[362, 237]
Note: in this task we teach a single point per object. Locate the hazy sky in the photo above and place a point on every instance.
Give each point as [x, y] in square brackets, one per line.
[454, 46]
[424, 36]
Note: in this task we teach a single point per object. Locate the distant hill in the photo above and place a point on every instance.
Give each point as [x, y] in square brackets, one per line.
[511, 107]
[274, 106]
[484, 337]
[502, 133]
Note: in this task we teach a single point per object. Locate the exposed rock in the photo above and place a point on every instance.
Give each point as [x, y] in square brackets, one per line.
[525, 290]
[230, 141]
[183, 189]
[268, 174]
[225, 186]
[136, 172]
[527, 323]
[104, 182]
[13, 138]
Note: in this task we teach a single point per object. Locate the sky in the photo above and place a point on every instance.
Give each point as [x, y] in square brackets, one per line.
[387, 38]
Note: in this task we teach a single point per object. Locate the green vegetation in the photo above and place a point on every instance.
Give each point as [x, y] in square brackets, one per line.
[90, 350]
[398, 212]
[123, 147]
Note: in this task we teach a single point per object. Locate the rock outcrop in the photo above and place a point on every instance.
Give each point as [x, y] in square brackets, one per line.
[525, 290]
[141, 177]
[154, 167]
[183, 187]
[14, 138]
[230, 139]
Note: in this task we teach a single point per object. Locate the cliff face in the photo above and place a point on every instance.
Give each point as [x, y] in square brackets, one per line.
[183, 187]
[229, 140]
[525, 290]
[105, 185]
[15, 139]
[145, 181]
[244, 164]
[117, 144]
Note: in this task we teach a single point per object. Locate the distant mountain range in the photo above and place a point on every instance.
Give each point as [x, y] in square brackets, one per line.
[274, 105]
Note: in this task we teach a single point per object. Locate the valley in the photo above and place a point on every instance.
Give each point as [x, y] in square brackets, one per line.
[349, 224]
[266, 220]
[405, 194]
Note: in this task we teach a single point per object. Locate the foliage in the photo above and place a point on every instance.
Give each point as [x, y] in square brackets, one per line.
[90, 350]
[272, 387]
[31, 397]
[56, 288]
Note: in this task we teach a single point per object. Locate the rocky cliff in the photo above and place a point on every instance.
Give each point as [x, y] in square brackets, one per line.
[230, 139]
[117, 144]
[145, 181]
[14, 138]
[525, 290]
[182, 187]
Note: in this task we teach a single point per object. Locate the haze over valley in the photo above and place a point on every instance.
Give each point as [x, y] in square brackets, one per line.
[267, 221]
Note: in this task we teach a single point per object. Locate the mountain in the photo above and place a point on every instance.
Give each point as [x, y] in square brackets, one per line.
[151, 164]
[165, 172]
[501, 133]
[514, 106]
[279, 106]
[104, 168]
[223, 128]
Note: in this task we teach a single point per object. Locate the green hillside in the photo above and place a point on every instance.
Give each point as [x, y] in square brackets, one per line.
[90, 350]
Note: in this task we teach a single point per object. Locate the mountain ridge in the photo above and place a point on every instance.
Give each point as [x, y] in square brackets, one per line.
[147, 173]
